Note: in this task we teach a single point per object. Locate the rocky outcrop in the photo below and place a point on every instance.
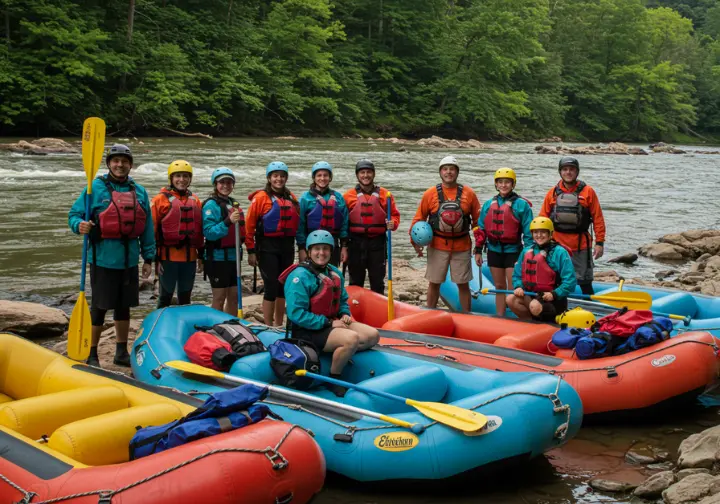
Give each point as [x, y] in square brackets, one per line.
[691, 489]
[700, 450]
[624, 259]
[554, 139]
[605, 485]
[32, 320]
[665, 148]
[41, 147]
[438, 143]
[653, 487]
[611, 148]
[663, 252]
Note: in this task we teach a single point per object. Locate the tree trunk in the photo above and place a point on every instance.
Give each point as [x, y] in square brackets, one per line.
[131, 21]
[229, 12]
[7, 26]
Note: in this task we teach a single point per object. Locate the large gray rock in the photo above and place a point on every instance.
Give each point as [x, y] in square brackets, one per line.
[690, 489]
[700, 450]
[653, 487]
[41, 146]
[684, 473]
[710, 287]
[706, 245]
[32, 320]
[712, 265]
[624, 259]
[610, 486]
[663, 252]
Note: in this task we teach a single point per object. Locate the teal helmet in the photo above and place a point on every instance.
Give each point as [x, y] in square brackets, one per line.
[421, 233]
[319, 237]
[321, 165]
[276, 166]
[221, 173]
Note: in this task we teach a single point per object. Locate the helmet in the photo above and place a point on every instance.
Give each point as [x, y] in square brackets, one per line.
[179, 166]
[508, 173]
[118, 150]
[449, 160]
[221, 173]
[321, 165]
[577, 317]
[569, 161]
[319, 237]
[542, 223]
[276, 166]
[421, 233]
[364, 164]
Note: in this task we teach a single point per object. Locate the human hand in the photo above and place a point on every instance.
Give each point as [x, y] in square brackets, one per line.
[159, 268]
[418, 249]
[346, 319]
[85, 227]
[338, 323]
[146, 270]
[548, 296]
[200, 265]
[390, 224]
[598, 251]
[344, 255]
[478, 259]
[519, 292]
[234, 216]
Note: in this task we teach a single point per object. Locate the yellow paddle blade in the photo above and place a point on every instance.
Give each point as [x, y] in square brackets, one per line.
[93, 145]
[453, 416]
[630, 299]
[391, 302]
[79, 330]
[189, 367]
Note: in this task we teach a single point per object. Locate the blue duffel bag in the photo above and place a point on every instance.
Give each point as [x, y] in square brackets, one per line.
[568, 337]
[649, 334]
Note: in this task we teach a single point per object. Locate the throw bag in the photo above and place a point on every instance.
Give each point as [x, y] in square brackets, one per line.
[210, 351]
[223, 411]
[649, 334]
[623, 323]
[289, 355]
[597, 344]
[567, 338]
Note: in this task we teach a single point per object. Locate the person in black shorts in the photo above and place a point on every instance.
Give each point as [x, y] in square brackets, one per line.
[503, 226]
[271, 225]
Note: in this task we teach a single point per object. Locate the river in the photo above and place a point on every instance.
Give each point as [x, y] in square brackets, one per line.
[643, 197]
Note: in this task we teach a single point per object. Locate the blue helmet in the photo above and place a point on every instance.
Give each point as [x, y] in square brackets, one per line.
[319, 237]
[321, 165]
[421, 233]
[276, 166]
[221, 173]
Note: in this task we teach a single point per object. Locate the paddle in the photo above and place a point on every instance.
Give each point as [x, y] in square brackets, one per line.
[592, 305]
[458, 418]
[391, 301]
[80, 327]
[625, 299]
[238, 268]
[189, 367]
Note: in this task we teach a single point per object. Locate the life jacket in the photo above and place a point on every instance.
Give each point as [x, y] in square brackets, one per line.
[182, 225]
[288, 355]
[537, 275]
[326, 215]
[221, 412]
[326, 300]
[124, 218]
[623, 322]
[368, 216]
[227, 241]
[281, 220]
[450, 222]
[501, 224]
[568, 215]
[220, 345]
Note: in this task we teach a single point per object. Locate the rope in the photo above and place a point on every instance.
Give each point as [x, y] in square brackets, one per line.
[276, 458]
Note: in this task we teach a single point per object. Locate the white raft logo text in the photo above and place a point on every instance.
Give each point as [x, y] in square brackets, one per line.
[663, 361]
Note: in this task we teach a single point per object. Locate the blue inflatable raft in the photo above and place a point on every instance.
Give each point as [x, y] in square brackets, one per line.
[704, 311]
[528, 413]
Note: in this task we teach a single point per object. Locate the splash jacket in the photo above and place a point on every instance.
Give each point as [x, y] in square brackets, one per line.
[270, 216]
[430, 204]
[368, 212]
[218, 230]
[304, 286]
[552, 271]
[332, 215]
[115, 253]
[178, 225]
[506, 223]
[571, 222]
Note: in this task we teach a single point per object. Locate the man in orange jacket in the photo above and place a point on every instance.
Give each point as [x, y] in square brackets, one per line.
[573, 207]
[452, 210]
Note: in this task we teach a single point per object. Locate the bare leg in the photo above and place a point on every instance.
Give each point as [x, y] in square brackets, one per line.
[279, 311]
[433, 294]
[218, 298]
[268, 308]
[464, 296]
[500, 279]
[519, 306]
[535, 307]
[231, 301]
[342, 343]
[367, 336]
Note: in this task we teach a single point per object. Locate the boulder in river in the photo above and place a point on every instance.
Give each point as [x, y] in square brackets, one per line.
[605, 485]
[663, 252]
[32, 320]
[41, 146]
[690, 489]
[653, 487]
[700, 450]
[624, 259]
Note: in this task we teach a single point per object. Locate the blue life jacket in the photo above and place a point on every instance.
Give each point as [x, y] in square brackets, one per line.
[223, 411]
[288, 355]
[597, 344]
[568, 337]
[649, 334]
[325, 215]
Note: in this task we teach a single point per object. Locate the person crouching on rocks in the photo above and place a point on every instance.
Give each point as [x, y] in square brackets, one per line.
[546, 269]
[317, 307]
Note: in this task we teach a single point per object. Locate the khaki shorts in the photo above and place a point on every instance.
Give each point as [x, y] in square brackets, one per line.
[438, 262]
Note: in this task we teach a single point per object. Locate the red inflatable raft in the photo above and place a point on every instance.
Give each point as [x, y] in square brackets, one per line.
[674, 370]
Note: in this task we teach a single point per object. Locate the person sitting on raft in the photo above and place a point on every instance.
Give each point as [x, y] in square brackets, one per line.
[546, 269]
[317, 307]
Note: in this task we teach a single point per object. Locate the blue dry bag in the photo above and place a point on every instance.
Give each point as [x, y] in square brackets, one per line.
[597, 344]
[568, 337]
[649, 334]
[222, 412]
[288, 355]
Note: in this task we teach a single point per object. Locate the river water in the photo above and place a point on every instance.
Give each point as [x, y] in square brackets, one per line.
[643, 197]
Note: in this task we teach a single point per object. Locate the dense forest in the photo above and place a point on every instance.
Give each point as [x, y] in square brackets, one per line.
[584, 69]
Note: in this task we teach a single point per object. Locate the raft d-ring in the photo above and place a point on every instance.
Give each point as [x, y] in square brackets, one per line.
[276, 458]
[612, 372]
[431, 346]
[105, 498]
[285, 499]
[557, 404]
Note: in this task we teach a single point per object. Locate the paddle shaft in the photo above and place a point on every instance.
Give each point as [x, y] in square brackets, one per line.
[380, 393]
[603, 306]
[86, 238]
[572, 296]
[391, 301]
[238, 268]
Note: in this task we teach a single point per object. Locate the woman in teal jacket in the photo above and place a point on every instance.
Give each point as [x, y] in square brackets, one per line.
[545, 269]
[119, 232]
[503, 226]
[221, 214]
[323, 208]
[317, 307]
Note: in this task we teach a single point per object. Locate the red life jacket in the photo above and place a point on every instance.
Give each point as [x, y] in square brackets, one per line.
[450, 222]
[501, 225]
[226, 207]
[182, 225]
[368, 216]
[326, 300]
[124, 218]
[537, 276]
[282, 219]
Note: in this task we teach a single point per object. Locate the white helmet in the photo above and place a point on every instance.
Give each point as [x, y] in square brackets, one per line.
[449, 160]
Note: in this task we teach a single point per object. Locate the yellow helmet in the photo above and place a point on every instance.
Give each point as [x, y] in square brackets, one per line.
[577, 317]
[508, 173]
[179, 166]
[542, 223]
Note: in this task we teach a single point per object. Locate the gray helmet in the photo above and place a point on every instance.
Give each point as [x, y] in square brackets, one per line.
[569, 161]
[364, 164]
[118, 150]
